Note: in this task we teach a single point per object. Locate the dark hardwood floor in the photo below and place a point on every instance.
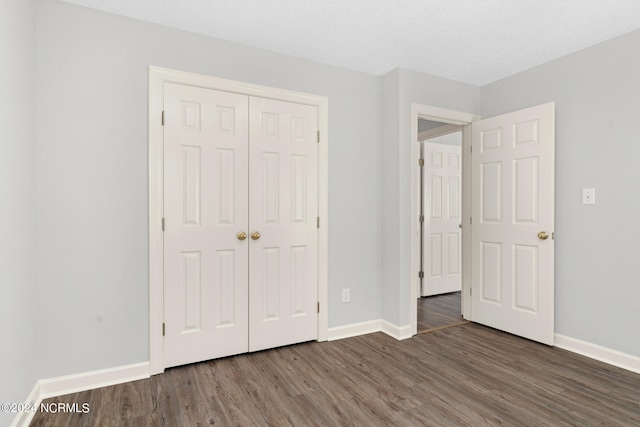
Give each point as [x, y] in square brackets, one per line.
[439, 311]
[467, 375]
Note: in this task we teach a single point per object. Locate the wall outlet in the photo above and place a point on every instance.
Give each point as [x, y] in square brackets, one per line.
[588, 196]
[346, 295]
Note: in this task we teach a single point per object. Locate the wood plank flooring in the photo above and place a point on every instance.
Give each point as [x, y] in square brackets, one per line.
[439, 310]
[467, 375]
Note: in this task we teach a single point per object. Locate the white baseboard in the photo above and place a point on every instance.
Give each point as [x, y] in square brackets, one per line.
[75, 383]
[397, 332]
[597, 352]
[59, 386]
[379, 325]
[354, 330]
[23, 419]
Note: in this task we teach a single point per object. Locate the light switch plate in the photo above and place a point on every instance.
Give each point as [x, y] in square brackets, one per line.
[588, 196]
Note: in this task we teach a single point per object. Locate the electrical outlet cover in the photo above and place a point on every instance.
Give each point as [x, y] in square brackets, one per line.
[588, 196]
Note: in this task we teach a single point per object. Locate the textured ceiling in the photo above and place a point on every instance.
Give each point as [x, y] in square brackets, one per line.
[473, 41]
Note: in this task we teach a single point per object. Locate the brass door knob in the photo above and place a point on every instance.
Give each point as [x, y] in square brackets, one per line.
[255, 235]
[242, 235]
[543, 235]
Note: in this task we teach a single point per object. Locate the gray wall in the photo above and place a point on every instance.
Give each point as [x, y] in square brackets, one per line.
[427, 124]
[389, 226]
[597, 95]
[92, 177]
[454, 139]
[89, 179]
[17, 191]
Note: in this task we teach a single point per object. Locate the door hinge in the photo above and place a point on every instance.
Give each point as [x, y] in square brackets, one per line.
[318, 222]
[318, 137]
[421, 274]
[553, 236]
[162, 118]
[162, 224]
[318, 306]
[420, 162]
[162, 328]
[470, 220]
[471, 148]
[470, 291]
[421, 218]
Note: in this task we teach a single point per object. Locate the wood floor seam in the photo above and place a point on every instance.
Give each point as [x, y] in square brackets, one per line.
[439, 328]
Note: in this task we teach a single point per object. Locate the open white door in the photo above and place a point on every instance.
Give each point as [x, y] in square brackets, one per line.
[512, 230]
[441, 241]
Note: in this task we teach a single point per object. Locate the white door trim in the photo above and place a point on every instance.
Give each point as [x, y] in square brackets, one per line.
[157, 77]
[456, 118]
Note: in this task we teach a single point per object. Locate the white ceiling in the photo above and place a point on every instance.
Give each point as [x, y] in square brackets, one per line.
[472, 41]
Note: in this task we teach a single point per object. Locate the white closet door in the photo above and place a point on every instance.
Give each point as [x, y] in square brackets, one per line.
[512, 209]
[441, 246]
[283, 261]
[205, 207]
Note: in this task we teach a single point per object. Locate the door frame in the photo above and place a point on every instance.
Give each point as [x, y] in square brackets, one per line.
[157, 77]
[437, 114]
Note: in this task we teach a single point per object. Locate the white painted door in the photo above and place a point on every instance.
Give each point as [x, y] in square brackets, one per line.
[205, 207]
[512, 228]
[283, 262]
[441, 247]
[240, 209]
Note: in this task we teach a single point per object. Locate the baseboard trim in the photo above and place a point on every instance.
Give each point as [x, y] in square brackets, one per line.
[353, 330]
[75, 383]
[379, 325]
[397, 332]
[59, 386]
[598, 352]
[23, 419]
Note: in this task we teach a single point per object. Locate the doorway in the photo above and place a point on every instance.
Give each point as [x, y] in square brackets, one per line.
[510, 244]
[447, 121]
[440, 301]
[159, 80]
[440, 221]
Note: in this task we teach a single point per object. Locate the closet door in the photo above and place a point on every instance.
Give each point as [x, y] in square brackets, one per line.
[283, 202]
[205, 209]
[442, 252]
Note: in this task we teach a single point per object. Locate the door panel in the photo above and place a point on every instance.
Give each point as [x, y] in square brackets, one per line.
[442, 220]
[205, 206]
[283, 270]
[512, 201]
[224, 295]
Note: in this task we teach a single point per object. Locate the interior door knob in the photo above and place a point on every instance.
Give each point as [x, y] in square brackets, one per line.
[242, 235]
[255, 235]
[543, 235]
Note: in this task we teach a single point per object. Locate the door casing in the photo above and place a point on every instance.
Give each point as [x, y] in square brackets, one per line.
[157, 77]
[443, 115]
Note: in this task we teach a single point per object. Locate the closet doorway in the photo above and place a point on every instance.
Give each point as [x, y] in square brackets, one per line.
[238, 186]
